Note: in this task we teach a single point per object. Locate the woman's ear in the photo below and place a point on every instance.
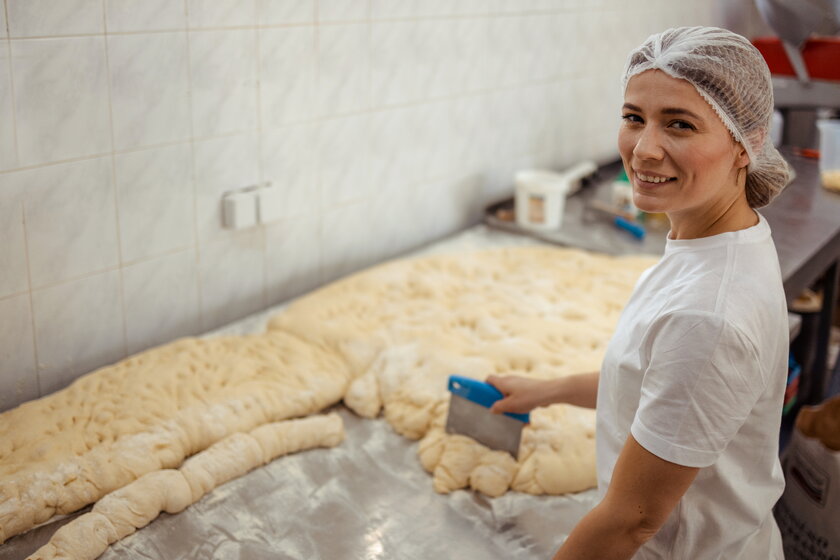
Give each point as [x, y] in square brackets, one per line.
[742, 158]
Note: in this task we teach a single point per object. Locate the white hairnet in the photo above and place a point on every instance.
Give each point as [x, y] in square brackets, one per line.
[729, 73]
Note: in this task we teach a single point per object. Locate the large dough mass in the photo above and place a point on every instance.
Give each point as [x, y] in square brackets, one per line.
[385, 340]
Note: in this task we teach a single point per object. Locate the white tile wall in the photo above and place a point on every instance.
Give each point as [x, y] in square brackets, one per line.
[287, 75]
[343, 64]
[384, 124]
[342, 152]
[149, 88]
[281, 12]
[221, 13]
[70, 215]
[292, 258]
[155, 195]
[342, 10]
[19, 379]
[61, 98]
[144, 15]
[224, 81]
[14, 277]
[232, 278]
[39, 18]
[78, 327]
[8, 147]
[288, 161]
[161, 300]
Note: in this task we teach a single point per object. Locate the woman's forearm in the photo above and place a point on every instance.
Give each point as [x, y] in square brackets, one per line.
[580, 390]
[601, 535]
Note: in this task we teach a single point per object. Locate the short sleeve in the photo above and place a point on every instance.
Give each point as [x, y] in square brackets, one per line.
[701, 383]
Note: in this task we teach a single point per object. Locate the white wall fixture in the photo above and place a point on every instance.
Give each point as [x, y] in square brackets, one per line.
[239, 208]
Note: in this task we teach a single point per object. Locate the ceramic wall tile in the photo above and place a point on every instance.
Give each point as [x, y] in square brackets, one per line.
[398, 140]
[155, 201]
[221, 165]
[343, 154]
[468, 59]
[292, 258]
[400, 69]
[70, 217]
[8, 146]
[289, 164]
[221, 13]
[61, 98]
[391, 9]
[223, 66]
[342, 10]
[149, 88]
[350, 240]
[284, 12]
[145, 15]
[4, 31]
[18, 376]
[78, 328]
[14, 275]
[232, 276]
[287, 75]
[41, 18]
[343, 69]
[161, 300]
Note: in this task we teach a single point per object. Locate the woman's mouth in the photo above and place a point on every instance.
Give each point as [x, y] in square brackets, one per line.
[652, 178]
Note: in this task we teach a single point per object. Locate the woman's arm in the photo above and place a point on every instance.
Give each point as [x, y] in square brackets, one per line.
[523, 394]
[643, 491]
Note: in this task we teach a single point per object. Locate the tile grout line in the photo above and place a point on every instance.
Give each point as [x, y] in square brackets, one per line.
[193, 177]
[114, 186]
[11, 75]
[31, 298]
[260, 167]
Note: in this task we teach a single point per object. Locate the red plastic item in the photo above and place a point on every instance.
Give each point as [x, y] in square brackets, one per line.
[821, 55]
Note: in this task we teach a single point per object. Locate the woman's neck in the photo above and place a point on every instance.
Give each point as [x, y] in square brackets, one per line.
[733, 216]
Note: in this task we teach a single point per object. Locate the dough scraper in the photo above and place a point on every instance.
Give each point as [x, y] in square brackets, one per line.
[469, 415]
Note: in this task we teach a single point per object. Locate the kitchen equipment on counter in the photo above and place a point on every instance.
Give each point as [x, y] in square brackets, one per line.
[541, 195]
[803, 63]
[540, 199]
[469, 415]
[830, 153]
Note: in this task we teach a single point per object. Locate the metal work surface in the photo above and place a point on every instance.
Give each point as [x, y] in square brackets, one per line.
[367, 499]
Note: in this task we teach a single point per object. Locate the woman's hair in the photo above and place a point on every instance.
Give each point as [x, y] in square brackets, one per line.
[731, 75]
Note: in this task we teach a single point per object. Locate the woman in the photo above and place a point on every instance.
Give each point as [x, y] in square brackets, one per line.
[690, 391]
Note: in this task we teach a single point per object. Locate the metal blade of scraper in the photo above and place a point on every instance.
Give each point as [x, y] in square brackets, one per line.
[469, 415]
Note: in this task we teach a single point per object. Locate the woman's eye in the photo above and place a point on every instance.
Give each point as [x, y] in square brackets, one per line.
[632, 118]
[682, 125]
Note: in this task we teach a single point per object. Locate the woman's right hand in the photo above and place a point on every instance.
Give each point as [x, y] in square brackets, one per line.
[521, 394]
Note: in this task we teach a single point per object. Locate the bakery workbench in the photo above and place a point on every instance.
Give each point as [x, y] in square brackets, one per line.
[368, 498]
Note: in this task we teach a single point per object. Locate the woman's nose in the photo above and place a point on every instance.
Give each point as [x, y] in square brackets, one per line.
[649, 144]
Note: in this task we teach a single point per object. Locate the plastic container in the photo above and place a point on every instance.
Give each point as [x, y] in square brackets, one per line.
[830, 153]
[540, 199]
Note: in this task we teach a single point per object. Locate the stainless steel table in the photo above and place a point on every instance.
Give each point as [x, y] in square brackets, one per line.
[367, 499]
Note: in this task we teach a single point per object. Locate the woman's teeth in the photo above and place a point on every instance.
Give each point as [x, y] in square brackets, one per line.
[648, 179]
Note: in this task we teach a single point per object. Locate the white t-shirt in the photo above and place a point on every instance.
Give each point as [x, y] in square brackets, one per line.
[696, 371]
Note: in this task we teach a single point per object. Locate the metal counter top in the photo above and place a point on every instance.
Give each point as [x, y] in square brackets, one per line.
[366, 499]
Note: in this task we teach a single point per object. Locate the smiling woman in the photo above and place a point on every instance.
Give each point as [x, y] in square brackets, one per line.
[689, 394]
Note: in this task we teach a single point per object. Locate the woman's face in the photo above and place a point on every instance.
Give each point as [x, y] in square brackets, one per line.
[679, 156]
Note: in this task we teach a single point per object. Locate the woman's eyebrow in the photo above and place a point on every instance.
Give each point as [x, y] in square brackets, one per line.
[679, 111]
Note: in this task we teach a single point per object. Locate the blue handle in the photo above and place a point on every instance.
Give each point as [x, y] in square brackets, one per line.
[481, 393]
[635, 229]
